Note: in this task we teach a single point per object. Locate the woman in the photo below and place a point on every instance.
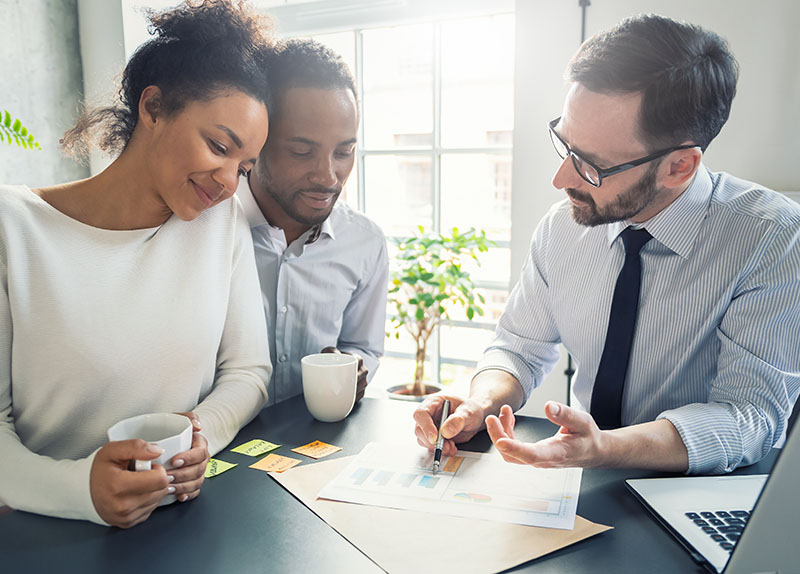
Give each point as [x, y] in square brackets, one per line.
[135, 290]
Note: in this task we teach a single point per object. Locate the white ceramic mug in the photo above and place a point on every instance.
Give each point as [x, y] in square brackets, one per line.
[329, 385]
[170, 431]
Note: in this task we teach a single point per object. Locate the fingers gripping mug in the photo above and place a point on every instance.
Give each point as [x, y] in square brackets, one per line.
[170, 431]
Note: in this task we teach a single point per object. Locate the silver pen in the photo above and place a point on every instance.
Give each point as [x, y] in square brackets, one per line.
[437, 453]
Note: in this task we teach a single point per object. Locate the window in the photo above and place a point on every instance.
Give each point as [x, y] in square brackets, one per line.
[436, 86]
[435, 150]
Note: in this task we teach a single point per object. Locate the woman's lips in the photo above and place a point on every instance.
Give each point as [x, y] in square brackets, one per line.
[204, 196]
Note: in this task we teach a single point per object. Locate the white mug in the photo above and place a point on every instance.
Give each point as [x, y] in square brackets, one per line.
[170, 431]
[329, 385]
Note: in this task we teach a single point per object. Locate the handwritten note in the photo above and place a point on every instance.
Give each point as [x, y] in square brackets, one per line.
[255, 447]
[216, 467]
[316, 449]
[275, 463]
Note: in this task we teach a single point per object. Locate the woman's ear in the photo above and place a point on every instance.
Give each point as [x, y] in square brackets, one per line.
[680, 167]
[151, 106]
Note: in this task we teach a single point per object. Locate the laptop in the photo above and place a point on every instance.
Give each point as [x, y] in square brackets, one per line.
[734, 524]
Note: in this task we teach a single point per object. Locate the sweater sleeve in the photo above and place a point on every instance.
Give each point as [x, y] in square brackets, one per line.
[243, 365]
[29, 481]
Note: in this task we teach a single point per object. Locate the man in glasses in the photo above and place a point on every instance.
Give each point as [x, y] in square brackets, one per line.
[676, 290]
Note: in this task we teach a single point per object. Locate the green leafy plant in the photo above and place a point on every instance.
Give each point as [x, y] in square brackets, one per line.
[11, 129]
[427, 281]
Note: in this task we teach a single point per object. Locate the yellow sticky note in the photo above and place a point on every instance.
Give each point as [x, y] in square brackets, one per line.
[255, 447]
[316, 449]
[275, 463]
[216, 467]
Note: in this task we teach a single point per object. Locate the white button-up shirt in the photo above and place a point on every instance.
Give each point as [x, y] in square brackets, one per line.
[328, 292]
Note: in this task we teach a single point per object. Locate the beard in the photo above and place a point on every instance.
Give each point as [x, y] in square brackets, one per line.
[626, 205]
[292, 204]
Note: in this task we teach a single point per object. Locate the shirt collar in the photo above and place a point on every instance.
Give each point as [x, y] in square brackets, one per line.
[677, 225]
[255, 217]
[251, 209]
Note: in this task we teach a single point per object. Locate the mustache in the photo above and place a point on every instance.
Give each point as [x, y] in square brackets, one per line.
[328, 190]
[579, 195]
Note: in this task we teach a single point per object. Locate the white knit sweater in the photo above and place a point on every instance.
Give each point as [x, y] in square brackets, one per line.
[99, 325]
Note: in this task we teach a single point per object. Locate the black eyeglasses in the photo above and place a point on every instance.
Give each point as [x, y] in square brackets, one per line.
[592, 174]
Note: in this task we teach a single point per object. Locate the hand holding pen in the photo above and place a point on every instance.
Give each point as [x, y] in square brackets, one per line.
[437, 453]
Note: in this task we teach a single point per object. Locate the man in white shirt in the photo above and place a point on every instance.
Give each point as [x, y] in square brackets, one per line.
[323, 267]
[694, 368]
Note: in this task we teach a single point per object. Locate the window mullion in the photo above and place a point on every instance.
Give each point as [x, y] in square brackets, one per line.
[436, 157]
[362, 188]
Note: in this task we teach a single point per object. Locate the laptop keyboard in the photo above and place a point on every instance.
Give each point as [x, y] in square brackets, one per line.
[723, 526]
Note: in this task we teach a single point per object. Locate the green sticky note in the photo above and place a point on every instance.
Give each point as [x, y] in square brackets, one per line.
[215, 467]
[255, 447]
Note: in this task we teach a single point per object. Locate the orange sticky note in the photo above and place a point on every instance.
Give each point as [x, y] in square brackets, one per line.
[275, 463]
[453, 463]
[316, 449]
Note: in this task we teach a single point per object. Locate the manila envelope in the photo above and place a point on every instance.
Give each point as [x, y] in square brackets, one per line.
[402, 541]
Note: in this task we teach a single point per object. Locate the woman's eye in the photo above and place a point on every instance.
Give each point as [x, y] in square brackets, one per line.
[243, 172]
[218, 147]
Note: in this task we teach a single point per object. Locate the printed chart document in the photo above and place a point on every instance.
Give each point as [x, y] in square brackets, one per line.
[392, 538]
[471, 485]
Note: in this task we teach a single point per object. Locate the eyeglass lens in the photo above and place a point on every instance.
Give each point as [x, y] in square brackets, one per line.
[584, 169]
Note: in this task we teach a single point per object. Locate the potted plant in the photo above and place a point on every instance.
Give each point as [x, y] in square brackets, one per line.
[426, 283]
[11, 129]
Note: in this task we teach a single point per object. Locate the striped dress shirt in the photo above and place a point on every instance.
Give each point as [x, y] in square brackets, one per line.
[717, 344]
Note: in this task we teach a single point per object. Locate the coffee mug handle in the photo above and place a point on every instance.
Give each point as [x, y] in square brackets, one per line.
[140, 465]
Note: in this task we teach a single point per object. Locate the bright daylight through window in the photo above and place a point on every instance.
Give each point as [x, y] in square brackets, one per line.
[435, 150]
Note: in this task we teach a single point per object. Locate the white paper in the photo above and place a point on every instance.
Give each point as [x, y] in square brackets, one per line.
[483, 486]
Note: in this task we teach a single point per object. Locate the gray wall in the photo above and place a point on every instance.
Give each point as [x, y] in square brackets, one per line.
[41, 84]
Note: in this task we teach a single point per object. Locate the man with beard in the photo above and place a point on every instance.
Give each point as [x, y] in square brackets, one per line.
[323, 267]
[676, 290]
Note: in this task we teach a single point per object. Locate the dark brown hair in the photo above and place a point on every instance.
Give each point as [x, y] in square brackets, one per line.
[200, 50]
[686, 74]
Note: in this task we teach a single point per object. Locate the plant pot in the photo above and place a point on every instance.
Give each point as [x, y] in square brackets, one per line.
[400, 392]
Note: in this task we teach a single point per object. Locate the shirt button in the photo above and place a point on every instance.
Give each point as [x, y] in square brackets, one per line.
[284, 309]
[283, 358]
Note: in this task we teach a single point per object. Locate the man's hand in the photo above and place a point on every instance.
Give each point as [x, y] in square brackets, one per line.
[465, 420]
[361, 379]
[122, 497]
[188, 473]
[578, 443]
[654, 445]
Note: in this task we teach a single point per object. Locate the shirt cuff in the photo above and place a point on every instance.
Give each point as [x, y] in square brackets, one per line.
[713, 446]
[510, 363]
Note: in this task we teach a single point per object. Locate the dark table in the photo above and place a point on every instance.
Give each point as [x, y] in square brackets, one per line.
[243, 521]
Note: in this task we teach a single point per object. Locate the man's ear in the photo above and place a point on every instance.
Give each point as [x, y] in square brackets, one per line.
[151, 106]
[680, 166]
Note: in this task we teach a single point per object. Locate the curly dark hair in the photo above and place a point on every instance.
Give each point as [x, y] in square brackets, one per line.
[687, 76]
[304, 63]
[200, 50]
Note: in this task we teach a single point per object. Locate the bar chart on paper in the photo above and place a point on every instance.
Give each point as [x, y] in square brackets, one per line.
[469, 484]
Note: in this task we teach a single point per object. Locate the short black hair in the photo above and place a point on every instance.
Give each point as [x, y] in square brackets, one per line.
[305, 63]
[200, 49]
[686, 74]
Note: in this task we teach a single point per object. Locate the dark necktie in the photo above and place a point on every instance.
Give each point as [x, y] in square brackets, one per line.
[606, 405]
